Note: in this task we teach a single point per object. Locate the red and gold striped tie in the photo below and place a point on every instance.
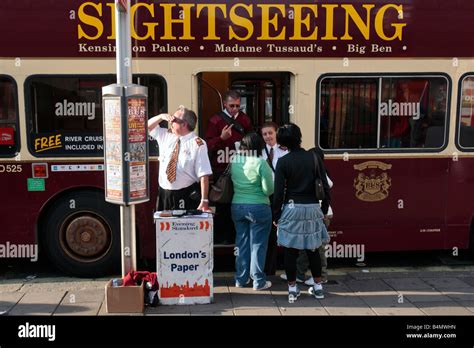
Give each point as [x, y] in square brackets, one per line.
[173, 163]
[270, 158]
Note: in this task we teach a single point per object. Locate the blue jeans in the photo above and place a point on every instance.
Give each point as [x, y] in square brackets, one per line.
[253, 224]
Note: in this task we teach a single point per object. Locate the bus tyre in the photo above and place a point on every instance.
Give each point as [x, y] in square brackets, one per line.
[81, 234]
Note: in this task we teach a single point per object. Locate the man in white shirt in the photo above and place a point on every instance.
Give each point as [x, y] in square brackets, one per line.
[184, 162]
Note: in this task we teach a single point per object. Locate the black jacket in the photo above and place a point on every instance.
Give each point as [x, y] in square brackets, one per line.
[294, 181]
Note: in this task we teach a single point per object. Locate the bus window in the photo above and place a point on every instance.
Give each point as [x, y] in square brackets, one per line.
[65, 112]
[466, 119]
[383, 112]
[9, 135]
[348, 113]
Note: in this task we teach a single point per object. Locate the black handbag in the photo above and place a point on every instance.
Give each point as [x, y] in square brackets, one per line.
[223, 190]
[318, 182]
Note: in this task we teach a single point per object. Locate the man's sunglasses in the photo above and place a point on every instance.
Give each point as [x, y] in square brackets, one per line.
[234, 105]
[178, 120]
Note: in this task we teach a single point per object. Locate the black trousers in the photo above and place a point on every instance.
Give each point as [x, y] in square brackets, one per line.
[178, 199]
[224, 229]
[272, 250]
[290, 263]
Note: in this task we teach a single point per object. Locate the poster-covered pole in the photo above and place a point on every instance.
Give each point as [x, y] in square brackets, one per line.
[124, 77]
[125, 139]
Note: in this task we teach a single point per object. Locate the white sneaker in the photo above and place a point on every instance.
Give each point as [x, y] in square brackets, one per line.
[284, 277]
[293, 293]
[267, 285]
[316, 290]
[237, 285]
[309, 281]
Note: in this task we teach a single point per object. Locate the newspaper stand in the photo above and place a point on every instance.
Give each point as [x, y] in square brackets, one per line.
[184, 259]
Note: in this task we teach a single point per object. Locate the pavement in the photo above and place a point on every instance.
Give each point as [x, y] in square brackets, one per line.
[420, 291]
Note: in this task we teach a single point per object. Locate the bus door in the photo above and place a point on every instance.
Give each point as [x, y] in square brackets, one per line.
[460, 206]
[390, 186]
[265, 96]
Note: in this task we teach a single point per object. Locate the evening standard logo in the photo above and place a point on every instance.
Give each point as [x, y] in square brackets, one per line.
[184, 226]
[37, 331]
[23, 251]
[67, 108]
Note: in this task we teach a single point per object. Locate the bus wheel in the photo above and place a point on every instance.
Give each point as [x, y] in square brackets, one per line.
[81, 234]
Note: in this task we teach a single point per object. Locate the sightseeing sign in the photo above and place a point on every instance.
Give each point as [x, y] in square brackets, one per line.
[216, 28]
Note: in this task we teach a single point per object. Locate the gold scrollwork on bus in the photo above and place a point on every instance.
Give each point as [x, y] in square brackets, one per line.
[373, 183]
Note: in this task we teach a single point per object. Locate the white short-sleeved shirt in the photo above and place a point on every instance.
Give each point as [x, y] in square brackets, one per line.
[193, 160]
[278, 153]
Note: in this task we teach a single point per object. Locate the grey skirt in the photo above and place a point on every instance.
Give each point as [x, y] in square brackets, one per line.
[301, 227]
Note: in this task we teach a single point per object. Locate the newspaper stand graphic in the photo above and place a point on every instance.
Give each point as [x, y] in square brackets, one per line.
[184, 259]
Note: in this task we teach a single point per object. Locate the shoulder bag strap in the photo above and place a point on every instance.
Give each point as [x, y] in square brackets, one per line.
[229, 120]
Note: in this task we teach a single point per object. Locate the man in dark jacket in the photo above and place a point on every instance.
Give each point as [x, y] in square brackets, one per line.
[224, 129]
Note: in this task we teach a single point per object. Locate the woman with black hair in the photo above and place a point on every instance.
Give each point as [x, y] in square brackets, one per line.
[297, 212]
[251, 212]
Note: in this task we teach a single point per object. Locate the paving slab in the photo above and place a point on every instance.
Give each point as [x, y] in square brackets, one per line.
[303, 311]
[389, 303]
[81, 296]
[8, 300]
[469, 305]
[424, 296]
[304, 305]
[440, 283]
[468, 280]
[47, 284]
[38, 303]
[443, 308]
[182, 310]
[10, 287]
[82, 308]
[374, 285]
[403, 284]
[214, 313]
[222, 302]
[268, 311]
[247, 298]
[460, 294]
[345, 305]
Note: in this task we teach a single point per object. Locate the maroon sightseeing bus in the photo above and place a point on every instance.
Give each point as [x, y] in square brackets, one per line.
[385, 89]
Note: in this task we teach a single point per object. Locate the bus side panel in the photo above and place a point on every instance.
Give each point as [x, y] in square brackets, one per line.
[389, 204]
[19, 208]
[460, 202]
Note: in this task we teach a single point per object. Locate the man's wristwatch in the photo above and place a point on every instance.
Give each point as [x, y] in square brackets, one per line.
[205, 200]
